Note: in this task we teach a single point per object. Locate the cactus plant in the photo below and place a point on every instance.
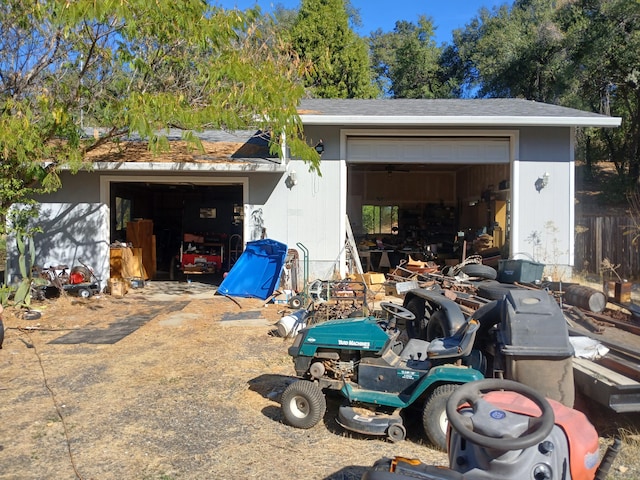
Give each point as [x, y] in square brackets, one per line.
[26, 258]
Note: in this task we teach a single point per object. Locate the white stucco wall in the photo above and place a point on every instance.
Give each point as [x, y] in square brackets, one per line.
[543, 221]
[71, 233]
[311, 212]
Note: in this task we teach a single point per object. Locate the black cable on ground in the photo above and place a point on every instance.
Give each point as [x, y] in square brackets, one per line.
[32, 345]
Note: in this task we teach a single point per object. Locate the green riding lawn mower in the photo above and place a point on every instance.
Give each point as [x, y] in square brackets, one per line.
[417, 354]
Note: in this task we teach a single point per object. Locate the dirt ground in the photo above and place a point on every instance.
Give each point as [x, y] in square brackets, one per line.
[173, 382]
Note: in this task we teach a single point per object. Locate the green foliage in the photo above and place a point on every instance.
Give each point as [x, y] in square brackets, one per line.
[5, 293]
[604, 38]
[514, 52]
[580, 53]
[322, 37]
[408, 64]
[132, 68]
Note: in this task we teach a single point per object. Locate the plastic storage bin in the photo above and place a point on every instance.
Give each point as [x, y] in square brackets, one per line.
[522, 271]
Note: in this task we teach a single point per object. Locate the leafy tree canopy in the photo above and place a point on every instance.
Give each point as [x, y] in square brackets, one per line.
[321, 35]
[407, 63]
[579, 53]
[514, 51]
[132, 67]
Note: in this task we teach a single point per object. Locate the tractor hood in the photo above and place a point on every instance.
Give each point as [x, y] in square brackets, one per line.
[344, 334]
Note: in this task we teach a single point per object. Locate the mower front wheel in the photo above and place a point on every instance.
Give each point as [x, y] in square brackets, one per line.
[303, 404]
[396, 432]
[434, 415]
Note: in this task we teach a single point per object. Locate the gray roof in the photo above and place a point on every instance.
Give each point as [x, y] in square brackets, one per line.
[476, 112]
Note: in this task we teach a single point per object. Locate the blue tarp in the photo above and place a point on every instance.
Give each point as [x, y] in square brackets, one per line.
[256, 273]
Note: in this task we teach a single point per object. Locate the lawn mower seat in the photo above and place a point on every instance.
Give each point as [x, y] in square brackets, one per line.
[415, 349]
[457, 345]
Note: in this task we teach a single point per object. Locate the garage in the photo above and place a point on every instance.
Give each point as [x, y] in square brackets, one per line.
[404, 176]
[196, 228]
[427, 197]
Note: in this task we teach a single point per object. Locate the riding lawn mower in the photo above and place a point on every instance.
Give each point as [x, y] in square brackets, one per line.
[505, 430]
[419, 354]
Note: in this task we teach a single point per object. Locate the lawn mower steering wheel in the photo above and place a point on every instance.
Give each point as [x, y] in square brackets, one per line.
[397, 311]
[472, 393]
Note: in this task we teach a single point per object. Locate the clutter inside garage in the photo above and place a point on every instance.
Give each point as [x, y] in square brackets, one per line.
[423, 216]
[174, 231]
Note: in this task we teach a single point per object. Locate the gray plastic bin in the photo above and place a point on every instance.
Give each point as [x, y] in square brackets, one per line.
[534, 342]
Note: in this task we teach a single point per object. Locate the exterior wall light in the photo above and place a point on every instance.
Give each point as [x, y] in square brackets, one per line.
[542, 182]
[319, 147]
[291, 180]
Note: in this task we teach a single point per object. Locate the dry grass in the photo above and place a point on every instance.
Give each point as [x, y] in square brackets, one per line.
[185, 396]
[189, 395]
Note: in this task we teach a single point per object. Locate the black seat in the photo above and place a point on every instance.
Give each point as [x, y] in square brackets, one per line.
[457, 345]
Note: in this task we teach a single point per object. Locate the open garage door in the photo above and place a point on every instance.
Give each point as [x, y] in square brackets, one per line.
[429, 198]
[197, 220]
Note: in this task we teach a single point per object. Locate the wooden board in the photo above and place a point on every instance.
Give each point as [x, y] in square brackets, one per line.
[140, 235]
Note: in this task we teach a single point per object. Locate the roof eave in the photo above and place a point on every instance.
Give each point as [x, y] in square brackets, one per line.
[467, 121]
[222, 167]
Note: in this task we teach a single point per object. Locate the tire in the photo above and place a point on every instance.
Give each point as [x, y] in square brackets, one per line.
[84, 293]
[495, 291]
[437, 326]
[415, 327]
[303, 404]
[434, 415]
[295, 302]
[480, 271]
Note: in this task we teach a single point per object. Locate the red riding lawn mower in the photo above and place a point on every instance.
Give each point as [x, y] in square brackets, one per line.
[505, 430]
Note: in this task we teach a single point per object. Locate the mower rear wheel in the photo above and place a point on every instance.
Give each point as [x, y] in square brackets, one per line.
[415, 327]
[434, 415]
[396, 432]
[303, 404]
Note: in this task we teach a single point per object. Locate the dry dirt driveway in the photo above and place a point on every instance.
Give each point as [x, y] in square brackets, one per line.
[169, 382]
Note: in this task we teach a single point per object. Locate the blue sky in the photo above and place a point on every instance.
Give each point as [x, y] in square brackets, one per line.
[447, 14]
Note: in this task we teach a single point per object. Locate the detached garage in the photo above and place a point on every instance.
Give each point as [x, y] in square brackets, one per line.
[404, 177]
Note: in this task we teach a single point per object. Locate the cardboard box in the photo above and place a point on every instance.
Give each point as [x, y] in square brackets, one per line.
[117, 287]
[371, 278]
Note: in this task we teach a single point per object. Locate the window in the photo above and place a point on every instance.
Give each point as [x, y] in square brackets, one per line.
[379, 218]
[123, 213]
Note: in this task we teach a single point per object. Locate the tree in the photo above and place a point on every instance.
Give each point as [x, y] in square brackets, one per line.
[604, 36]
[132, 68]
[579, 53]
[321, 36]
[408, 64]
[514, 52]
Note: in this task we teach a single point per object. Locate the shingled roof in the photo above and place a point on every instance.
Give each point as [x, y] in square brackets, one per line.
[446, 112]
[248, 149]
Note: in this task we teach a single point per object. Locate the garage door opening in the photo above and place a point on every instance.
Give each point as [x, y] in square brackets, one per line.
[203, 222]
[441, 212]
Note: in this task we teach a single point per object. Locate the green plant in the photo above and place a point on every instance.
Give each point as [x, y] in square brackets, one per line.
[5, 293]
[607, 267]
[26, 259]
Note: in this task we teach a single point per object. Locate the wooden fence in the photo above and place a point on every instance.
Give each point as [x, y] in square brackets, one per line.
[606, 237]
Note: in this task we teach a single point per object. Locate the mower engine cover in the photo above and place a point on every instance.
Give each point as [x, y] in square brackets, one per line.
[344, 334]
[363, 334]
